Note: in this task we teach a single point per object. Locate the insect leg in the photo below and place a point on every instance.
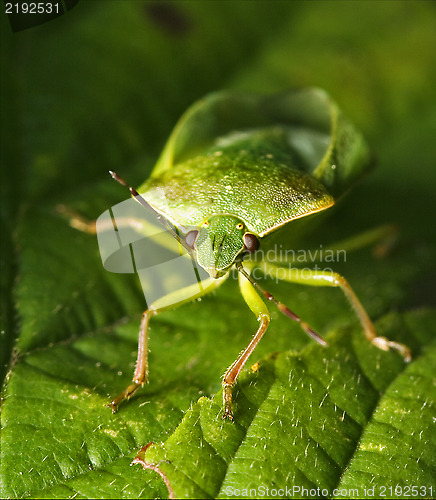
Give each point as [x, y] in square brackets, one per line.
[383, 238]
[332, 279]
[170, 301]
[81, 223]
[282, 308]
[141, 371]
[258, 307]
[76, 220]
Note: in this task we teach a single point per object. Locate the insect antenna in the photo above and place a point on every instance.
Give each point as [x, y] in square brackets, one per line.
[174, 230]
[281, 307]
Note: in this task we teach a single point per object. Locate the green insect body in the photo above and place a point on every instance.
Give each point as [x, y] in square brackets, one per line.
[253, 176]
[240, 168]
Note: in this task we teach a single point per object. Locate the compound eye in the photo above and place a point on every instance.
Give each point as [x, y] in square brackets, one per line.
[191, 238]
[251, 242]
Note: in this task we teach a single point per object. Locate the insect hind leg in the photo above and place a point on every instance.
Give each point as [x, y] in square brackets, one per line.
[332, 279]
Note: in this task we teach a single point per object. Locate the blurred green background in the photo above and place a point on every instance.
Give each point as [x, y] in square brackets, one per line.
[101, 88]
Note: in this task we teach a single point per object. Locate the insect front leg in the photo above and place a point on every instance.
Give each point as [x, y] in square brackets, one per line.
[250, 289]
[332, 279]
[169, 301]
[76, 220]
[259, 309]
[140, 225]
[141, 371]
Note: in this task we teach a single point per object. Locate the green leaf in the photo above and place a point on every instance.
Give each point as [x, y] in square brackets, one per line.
[313, 420]
[101, 88]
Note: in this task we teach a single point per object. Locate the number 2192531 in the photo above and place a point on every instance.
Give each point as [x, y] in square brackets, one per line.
[32, 8]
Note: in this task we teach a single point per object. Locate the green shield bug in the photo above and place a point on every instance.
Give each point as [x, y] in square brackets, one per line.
[240, 173]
